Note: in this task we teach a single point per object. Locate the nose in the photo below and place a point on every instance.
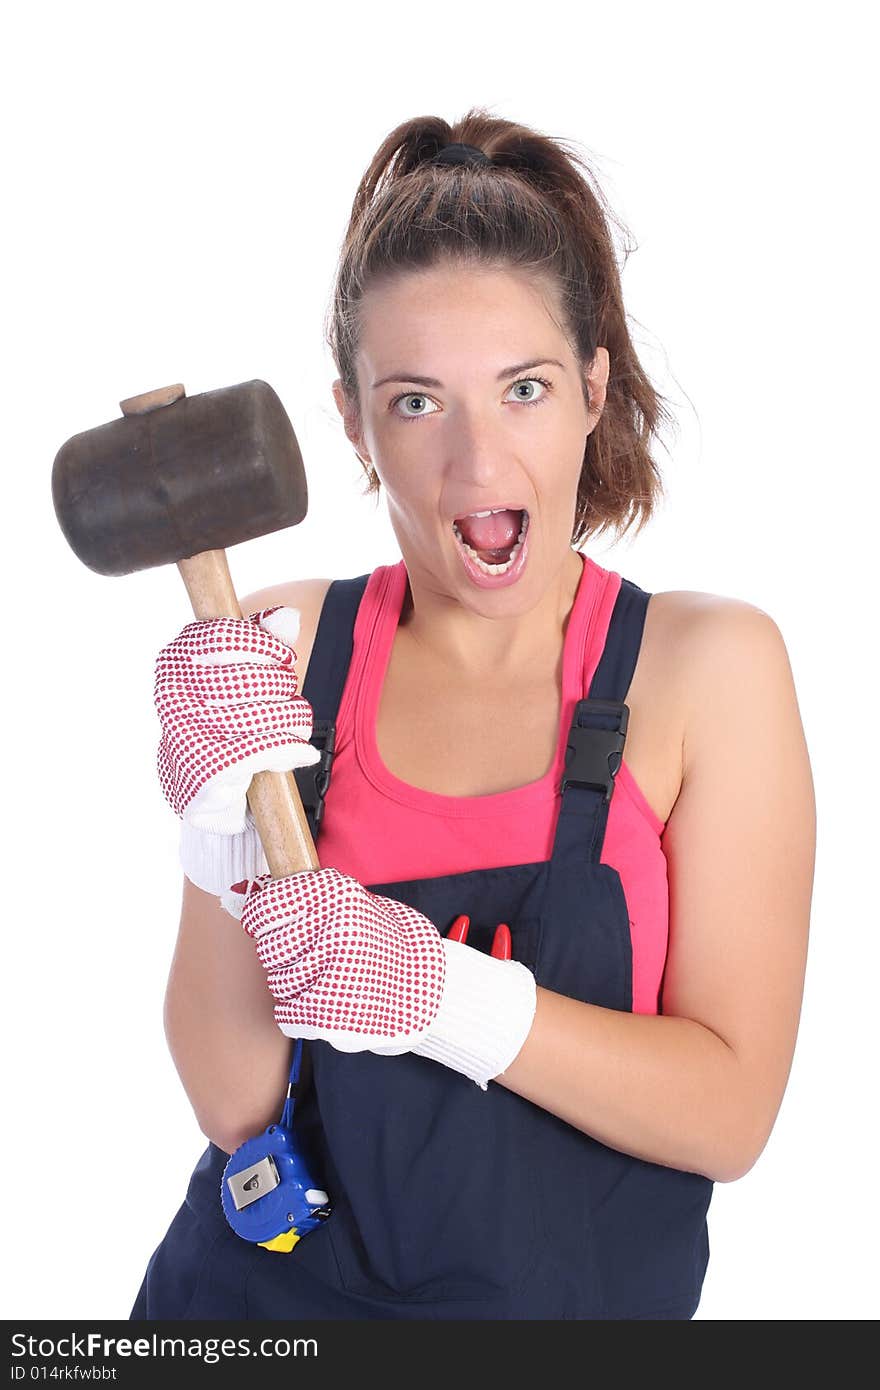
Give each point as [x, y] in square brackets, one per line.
[479, 455]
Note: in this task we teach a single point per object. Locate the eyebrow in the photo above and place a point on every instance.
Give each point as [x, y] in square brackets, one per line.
[502, 375]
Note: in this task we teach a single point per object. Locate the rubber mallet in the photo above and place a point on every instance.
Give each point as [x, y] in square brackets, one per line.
[175, 480]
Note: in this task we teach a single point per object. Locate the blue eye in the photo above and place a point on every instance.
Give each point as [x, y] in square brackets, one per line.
[413, 396]
[530, 381]
[524, 381]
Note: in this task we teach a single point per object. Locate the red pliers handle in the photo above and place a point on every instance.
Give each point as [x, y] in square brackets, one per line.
[459, 929]
[501, 947]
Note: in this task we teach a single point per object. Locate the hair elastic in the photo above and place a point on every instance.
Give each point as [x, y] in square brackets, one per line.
[460, 154]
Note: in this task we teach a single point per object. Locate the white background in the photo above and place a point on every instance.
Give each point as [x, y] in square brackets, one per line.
[178, 179]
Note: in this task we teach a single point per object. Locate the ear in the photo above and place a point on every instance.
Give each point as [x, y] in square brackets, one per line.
[350, 421]
[597, 382]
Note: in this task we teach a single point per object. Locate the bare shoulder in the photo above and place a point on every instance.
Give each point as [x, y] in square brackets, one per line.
[694, 615]
[673, 681]
[697, 643]
[307, 597]
[715, 649]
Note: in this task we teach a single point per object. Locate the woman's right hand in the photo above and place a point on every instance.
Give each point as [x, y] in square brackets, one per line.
[226, 696]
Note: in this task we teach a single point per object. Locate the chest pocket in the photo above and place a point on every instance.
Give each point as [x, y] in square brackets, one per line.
[444, 1191]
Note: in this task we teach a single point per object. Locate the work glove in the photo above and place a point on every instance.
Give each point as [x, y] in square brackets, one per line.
[367, 973]
[226, 696]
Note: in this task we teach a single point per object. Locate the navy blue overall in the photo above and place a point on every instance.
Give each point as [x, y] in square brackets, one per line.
[449, 1201]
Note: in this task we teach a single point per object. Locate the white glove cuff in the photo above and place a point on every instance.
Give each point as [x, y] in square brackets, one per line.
[485, 1013]
[215, 862]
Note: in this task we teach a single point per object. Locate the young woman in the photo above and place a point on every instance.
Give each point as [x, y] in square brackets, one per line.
[526, 1119]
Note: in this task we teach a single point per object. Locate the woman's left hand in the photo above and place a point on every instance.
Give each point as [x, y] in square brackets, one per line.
[362, 971]
[367, 973]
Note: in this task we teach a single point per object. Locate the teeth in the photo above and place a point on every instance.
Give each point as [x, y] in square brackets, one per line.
[493, 511]
[481, 564]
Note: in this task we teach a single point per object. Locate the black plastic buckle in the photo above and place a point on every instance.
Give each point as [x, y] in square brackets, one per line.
[593, 756]
[313, 781]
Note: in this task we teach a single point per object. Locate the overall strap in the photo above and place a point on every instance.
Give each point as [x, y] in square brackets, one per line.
[323, 687]
[597, 734]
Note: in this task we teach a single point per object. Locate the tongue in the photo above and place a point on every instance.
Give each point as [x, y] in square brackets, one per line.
[497, 532]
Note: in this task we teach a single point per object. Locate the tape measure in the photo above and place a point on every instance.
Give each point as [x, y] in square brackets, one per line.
[267, 1192]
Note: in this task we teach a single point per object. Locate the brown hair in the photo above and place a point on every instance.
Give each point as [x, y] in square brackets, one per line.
[538, 207]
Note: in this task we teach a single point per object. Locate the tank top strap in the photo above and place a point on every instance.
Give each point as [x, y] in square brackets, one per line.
[323, 686]
[613, 675]
[596, 737]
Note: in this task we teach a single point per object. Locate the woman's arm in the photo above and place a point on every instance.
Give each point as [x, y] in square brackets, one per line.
[230, 1056]
[232, 1059]
[699, 1086]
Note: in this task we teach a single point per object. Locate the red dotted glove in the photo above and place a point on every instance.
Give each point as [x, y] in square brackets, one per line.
[367, 973]
[226, 695]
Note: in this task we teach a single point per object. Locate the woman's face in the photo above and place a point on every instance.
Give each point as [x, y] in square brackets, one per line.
[480, 430]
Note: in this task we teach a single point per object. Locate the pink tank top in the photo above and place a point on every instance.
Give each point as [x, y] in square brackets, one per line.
[380, 829]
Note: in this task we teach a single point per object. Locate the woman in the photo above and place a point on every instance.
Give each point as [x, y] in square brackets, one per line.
[525, 1137]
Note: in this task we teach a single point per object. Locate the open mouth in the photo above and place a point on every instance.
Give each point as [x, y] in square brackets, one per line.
[492, 539]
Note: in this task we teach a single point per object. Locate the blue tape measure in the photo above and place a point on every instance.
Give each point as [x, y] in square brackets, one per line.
[268, 1194]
